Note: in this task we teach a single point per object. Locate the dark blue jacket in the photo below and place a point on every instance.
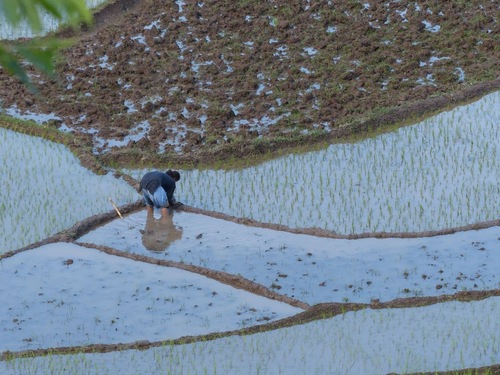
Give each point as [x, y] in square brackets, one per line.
[152, 180]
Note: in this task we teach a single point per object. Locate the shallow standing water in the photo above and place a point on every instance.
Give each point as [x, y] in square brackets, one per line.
[45, 189]
[455, 258]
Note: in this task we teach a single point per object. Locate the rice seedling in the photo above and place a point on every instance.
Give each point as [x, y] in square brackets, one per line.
[46, 190]
[366, 341]
[440, 172]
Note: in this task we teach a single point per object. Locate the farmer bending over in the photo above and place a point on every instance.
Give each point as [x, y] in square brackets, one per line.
[157, 188]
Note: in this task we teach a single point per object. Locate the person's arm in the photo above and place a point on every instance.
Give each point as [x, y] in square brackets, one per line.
[170, 195]
[168, 184]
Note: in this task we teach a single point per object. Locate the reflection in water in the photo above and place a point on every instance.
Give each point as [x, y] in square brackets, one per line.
[160, 233]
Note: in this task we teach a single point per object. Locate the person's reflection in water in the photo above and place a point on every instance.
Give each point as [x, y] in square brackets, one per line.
[160, 233]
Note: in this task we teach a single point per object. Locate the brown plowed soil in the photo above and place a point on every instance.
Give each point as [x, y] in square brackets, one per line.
[208, 77]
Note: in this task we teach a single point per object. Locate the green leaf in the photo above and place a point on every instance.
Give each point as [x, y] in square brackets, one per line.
[52, 8]
[71, 11]
[31, 14]
[79, 10]
[9, 61]
[40, 53]
[41, 59]
[11, 11]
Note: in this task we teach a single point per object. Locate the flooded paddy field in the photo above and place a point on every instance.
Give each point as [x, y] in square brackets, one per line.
[377, 253]
[198, 293]
[46, 189]
[367, 341]
[83, 296]
[314, 269]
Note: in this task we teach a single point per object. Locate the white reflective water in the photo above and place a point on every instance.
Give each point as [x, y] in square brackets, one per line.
[435, 338]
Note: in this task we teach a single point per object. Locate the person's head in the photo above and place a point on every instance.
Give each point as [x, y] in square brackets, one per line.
[174, 174]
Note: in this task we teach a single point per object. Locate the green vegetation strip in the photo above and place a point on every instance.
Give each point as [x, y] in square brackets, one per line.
[377, 75]
[242, 153]
[489, 370]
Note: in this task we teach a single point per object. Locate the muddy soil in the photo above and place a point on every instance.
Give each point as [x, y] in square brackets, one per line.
[218, 80]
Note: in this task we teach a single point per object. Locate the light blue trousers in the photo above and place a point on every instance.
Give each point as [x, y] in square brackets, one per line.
[158, 199]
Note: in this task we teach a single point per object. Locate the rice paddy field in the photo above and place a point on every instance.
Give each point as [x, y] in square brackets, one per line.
[374, 254]
[138, 281]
